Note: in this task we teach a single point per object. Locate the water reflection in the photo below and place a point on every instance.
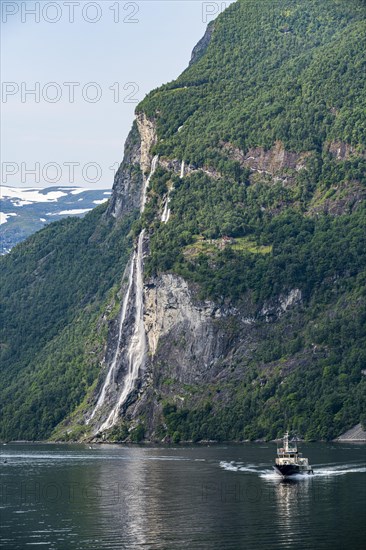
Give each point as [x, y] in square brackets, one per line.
[126, 498]
[294, 500]
[155, 499]
[122, 506]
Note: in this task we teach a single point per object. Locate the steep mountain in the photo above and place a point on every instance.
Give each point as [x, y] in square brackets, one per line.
[220, 294]
[26, 210]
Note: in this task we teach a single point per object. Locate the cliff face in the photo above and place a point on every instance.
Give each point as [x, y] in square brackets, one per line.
[171, 312]
[276, 162]
[195, 344]
[190, 342]
[200, 49]
[128, 181]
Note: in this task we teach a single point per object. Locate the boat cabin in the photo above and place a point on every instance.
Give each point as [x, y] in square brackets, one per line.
[288, 454]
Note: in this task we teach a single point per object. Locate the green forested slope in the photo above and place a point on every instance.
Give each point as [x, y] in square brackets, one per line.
[285, 72]
[55, 286]
[288, 72]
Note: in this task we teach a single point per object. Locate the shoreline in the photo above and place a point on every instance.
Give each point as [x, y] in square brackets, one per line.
[354, 435]
[172, 445]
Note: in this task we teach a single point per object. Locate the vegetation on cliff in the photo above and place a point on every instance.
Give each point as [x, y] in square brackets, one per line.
[56, 287]
[291, 78]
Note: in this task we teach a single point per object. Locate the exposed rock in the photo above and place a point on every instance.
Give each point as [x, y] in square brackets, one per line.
[343, 151]
[274, 311]
[357, 433]
[170, 307]
[294, 297]
[191, 342]
[128, 182]
[171, 165]
[147, 131]
[200, 49]
[277, 161]
[340, 199]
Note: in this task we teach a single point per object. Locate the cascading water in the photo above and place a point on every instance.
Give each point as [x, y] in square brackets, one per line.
[154, 165]
[138, 346]
[134, 352]
[166, 212]
[109, 381]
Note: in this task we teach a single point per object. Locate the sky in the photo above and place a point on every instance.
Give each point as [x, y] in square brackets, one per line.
[72, 74]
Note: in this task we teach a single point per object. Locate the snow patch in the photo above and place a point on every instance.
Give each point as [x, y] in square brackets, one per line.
[29, 195]
[4, 217]
[21, 203]
[102, 201]
[78, 190]
[75, 212]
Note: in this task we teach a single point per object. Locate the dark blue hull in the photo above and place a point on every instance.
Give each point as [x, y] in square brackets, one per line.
[288, 470]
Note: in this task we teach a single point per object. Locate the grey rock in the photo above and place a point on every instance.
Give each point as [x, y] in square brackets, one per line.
[200, 49]
[128, 183]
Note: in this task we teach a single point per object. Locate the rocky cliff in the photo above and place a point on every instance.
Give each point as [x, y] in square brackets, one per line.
[190, 342]
[200, 49]
[126, 195]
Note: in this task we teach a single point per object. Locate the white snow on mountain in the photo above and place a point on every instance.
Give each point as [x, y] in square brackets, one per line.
[37, 206]
[28, 196]
[75, 212]
[4, 217]
[102, 201]
[78, 191]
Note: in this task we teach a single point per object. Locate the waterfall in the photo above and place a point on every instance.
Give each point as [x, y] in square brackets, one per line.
[166, 212]
[109, 381]
[154, 165]
[137, 349]
[133, 352]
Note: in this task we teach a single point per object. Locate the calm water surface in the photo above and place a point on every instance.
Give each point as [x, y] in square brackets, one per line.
[218, 497]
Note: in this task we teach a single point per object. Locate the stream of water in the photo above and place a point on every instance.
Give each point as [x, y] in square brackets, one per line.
[135, 350]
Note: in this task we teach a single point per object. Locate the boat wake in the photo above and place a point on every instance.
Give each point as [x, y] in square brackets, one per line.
[340, 470]
[239, 467]
[271, 475]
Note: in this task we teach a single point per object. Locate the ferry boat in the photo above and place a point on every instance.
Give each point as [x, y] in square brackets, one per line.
[289, 461]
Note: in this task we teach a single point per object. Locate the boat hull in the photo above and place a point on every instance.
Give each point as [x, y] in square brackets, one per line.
[288, 470]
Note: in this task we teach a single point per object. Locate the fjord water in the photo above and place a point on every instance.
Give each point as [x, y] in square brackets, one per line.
[215, 497]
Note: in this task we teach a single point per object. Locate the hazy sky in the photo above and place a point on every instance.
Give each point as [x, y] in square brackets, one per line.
[88, 64]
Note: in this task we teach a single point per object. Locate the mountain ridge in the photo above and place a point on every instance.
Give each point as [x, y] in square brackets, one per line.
[26, 210]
